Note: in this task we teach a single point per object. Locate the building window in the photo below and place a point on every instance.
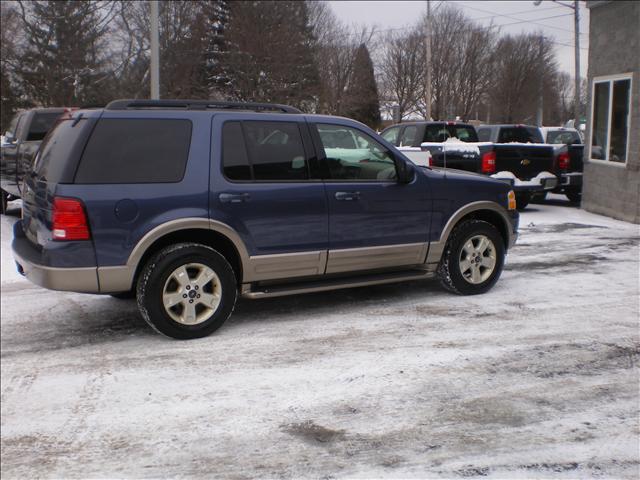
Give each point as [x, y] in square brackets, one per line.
[610, 117]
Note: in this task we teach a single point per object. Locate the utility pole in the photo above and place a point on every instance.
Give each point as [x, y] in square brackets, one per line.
[427, 85]
[576, 41]
[155, 52]
[541, 66]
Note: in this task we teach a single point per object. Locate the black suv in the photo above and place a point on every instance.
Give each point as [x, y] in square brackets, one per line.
[188, 204]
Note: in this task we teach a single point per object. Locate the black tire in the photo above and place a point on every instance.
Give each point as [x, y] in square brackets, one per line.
[5, 202]
[155, 275]
[574, 196]
[130, 295]
[522, 200]
[538, 197]
[450, 272]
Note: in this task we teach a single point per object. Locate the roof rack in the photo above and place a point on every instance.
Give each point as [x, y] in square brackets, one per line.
[199, 105]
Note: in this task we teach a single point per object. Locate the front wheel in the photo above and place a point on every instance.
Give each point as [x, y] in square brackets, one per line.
[187, 290]
[473, 258]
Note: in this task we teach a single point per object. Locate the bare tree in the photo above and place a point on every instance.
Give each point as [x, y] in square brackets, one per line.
[334, 51]
[521, 65]
[402, 70]
[461, 53]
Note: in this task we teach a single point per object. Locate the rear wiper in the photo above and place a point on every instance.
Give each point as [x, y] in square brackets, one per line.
[76, 120]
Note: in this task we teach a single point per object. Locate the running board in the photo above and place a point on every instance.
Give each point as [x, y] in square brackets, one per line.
[318, 286]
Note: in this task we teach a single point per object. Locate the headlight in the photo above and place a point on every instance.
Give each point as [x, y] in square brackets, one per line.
[511, 200]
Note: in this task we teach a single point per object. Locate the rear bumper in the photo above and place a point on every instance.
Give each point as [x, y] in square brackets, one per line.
[573, 179]
[543, 182]
[29, 262]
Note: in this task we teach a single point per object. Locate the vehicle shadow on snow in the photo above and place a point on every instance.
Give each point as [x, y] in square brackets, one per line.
[103, 319]
[90, 321]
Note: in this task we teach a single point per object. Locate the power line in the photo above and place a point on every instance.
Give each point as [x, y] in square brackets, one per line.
[515, 18]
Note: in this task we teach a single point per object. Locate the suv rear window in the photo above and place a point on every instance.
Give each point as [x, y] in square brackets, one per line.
[56, 159]
[41, 124]
[136, 151]
[438, 133]
[520, 135]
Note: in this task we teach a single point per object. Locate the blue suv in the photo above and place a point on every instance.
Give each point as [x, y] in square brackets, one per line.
[188, 204]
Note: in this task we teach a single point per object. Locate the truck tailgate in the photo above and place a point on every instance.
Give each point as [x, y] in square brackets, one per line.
[525, 160]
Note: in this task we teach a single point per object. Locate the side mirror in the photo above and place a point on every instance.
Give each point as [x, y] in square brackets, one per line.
[406, 172]
[9, 138]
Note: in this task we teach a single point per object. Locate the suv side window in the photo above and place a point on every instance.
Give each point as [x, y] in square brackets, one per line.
[136, 151]
[354, 155]
[235, 161]
[276, 151]
[391, 135]
[409, 136]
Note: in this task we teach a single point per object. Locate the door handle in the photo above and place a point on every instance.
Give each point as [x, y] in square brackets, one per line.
[347, 195]
[234, 197]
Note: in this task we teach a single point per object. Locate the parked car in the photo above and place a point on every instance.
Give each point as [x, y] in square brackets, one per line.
[189, 204]
[19, 144]
[570, 181]
[530, 169]
[521, 150]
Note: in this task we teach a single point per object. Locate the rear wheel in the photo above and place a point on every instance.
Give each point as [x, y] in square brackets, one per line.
[473, 258]
[574, 196]
[187, 291]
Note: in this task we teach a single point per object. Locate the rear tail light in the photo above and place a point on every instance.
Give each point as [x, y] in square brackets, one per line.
[489, 162]
[563, 161]
[69, 220]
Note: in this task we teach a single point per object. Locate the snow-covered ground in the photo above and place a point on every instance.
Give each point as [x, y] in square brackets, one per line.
[537, 378]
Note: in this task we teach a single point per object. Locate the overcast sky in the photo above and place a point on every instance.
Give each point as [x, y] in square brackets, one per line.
[394, 14]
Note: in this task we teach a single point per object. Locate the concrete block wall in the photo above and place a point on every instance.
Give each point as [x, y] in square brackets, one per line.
[614, 48]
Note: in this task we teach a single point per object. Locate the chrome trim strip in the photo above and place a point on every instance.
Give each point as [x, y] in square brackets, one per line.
[81, 279]
[254, 295]
[285, 265]
[368, 258]
[437, 248]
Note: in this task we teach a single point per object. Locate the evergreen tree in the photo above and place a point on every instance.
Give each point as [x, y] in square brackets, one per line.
[217, 17]
[270, 57]
[362, 99]
[64, 54]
